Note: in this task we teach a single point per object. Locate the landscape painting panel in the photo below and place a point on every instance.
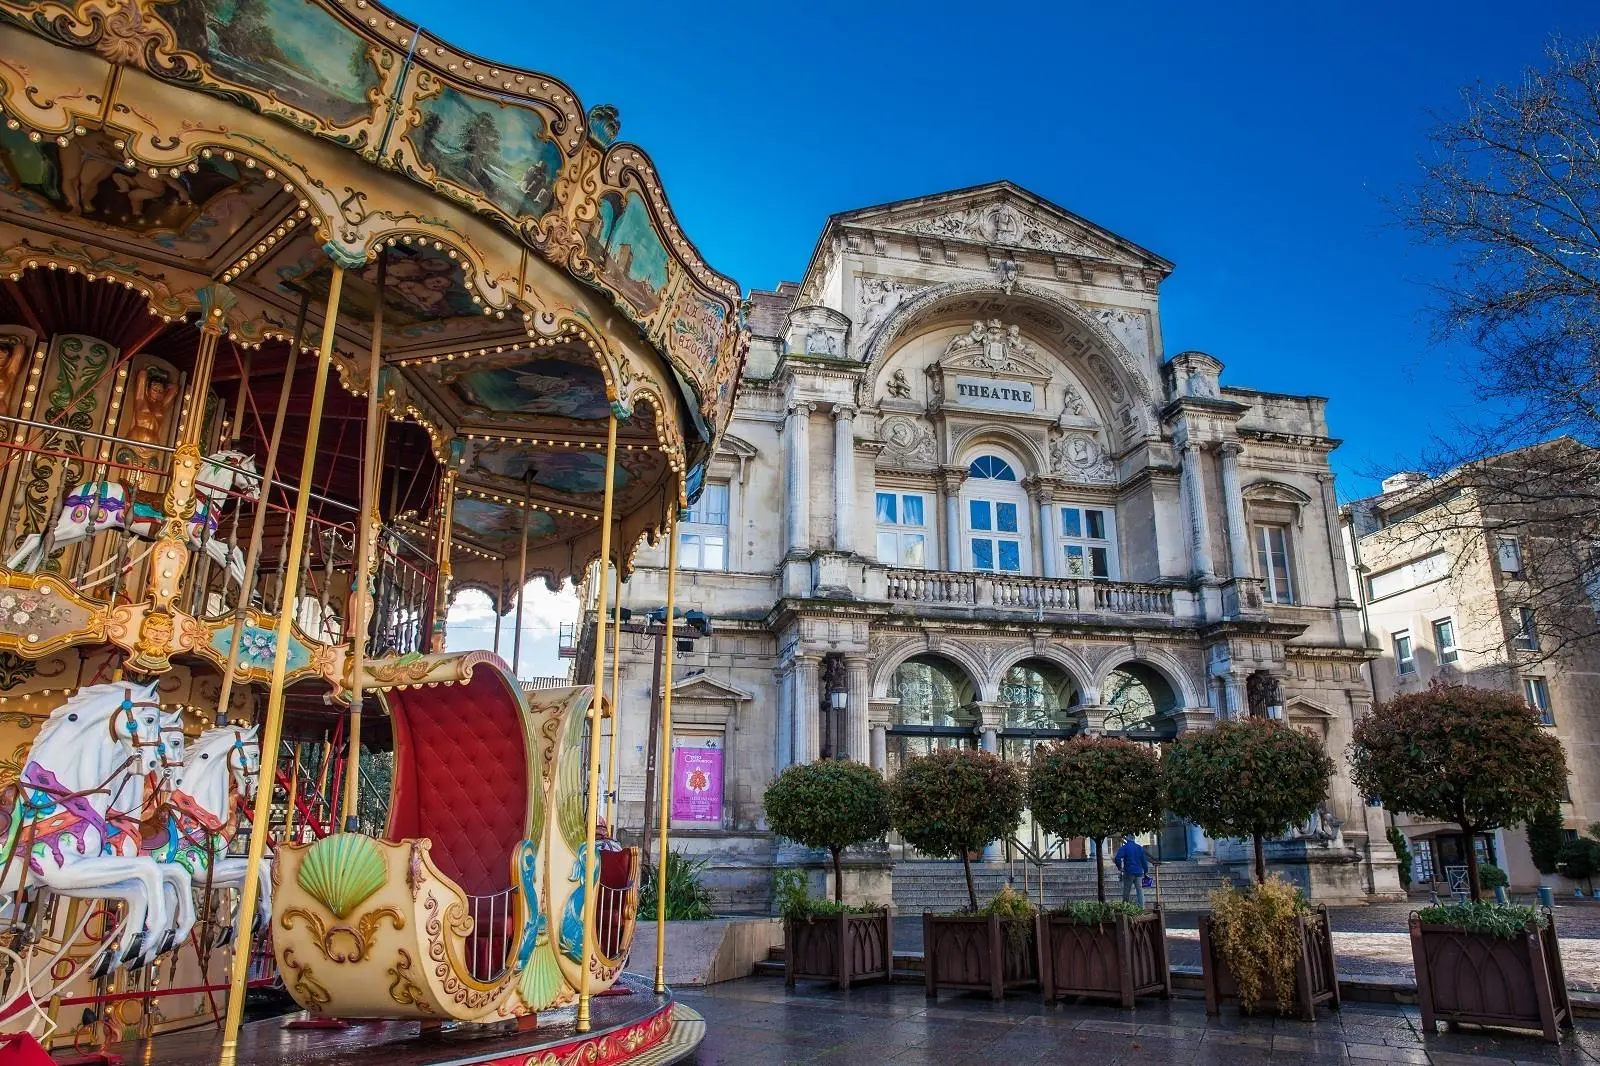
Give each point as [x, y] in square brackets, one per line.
[501, 152]
[625, 246]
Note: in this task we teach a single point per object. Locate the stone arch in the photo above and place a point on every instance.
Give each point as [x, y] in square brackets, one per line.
[1057, 654]
[969, 664]
[1168, 666]
[1129, 375]
[1007, 439]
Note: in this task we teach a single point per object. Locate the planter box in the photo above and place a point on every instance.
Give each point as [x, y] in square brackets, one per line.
[844, 948]
[983, 954]
[1316, 980]
[1116, 960]
[1491, 980]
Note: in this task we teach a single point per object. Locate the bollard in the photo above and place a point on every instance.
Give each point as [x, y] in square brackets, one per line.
[1547, 897]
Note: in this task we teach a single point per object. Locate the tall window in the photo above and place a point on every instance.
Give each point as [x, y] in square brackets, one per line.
[902, 529]
[1444, 640]
[1405, 660]
[1527, 638]
[995, 508]
[1510, 553]
[1272, 562]
[703, 536]
[1537, 693]
[1088, 538]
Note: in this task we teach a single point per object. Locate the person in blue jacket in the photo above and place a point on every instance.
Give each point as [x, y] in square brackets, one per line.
[1133, 864]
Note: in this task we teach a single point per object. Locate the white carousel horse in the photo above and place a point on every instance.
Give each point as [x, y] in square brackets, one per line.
[94, 507]
[201, 815]
[141, 800]
[57, 831]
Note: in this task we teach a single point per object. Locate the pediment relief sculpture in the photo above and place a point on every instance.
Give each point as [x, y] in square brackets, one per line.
[1079, 457]
[908, 439]
[993, 347]
[1004, 225]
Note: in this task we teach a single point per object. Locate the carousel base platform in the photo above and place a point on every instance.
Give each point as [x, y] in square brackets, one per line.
[637, 1029]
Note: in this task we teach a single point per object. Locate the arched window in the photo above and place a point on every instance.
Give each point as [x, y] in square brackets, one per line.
[1139, 696]
[1036, 695]
[935, 709]
[996, 516]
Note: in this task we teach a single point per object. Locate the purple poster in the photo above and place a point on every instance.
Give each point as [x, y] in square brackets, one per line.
[697, 785]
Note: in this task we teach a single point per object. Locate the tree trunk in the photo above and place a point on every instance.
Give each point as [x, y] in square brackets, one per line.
[1261, 860]
[838, 877]
[1471, 845]
[1100, 868]
[972, 890]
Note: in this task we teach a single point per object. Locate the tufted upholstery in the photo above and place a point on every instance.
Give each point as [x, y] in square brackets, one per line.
[461, 777]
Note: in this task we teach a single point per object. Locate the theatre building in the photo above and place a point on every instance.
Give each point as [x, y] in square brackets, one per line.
[969, 497]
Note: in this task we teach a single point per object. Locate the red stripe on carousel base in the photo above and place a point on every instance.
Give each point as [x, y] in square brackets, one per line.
[600, 1049]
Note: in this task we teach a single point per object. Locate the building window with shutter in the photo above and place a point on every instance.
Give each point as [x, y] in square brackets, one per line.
[1537, 692]
[1527, 638]
[1272, 563]
[1509, 550]
[703, 536]
[1405, 660]
[1444, 640]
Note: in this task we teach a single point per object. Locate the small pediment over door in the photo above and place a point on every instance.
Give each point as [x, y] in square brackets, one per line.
[706, 700]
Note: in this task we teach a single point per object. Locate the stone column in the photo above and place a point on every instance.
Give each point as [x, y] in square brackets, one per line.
[807, 709]
[1199, 520]
[797, 493]
[989, 741]
[880, 749]
[855, 674]
[951, 478]
[1238, 532]
[1042, 491]
[783, 753]
[844, 478]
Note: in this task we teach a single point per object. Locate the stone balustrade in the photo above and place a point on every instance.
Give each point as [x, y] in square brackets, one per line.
[945, 588]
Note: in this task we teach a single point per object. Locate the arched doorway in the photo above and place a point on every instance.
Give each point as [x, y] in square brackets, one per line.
[995, 517]
[936, 709]
[1139, 701]
[1038, 705]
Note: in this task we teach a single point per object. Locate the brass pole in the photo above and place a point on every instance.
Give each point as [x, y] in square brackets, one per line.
[272, 728]
[258, 529]
[612, 797]
[499, 602]
[366, 532]
[591, 865]
[664, 771]
[294, 794]
[522, 589]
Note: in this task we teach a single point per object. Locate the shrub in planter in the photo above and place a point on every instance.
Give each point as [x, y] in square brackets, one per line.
[1102, 950]
[830, 804]
[952, 802]
[987, 950]
[830, 941]
[1253, 777]
[688, 899]
[1096, 787]
[1474, 757]
[1266, 944]
[1490, 964]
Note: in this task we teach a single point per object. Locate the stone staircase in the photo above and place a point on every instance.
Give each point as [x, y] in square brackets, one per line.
[923, 885]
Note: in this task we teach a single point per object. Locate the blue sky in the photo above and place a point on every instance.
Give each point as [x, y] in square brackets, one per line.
[1259, 146]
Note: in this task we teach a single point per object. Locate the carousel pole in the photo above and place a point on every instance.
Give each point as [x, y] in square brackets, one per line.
[498, 600]
[612, 796]
[591, 863]
[522, 585]
[366, 536]
[258, 529]
[272, 727]
[664, 773]
[443, 572]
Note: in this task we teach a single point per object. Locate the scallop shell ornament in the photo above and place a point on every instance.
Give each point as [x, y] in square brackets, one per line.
[342, 870]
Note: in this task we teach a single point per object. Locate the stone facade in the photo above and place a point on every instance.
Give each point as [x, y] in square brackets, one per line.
[959, 445]
[1445, 572]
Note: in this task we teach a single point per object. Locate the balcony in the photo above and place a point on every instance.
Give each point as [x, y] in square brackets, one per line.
[1012, 592]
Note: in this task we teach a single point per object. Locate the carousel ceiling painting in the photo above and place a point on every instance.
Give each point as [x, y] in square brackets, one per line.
[512, 383]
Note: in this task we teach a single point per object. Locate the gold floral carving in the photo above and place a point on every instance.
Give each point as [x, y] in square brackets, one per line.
[403, 990]
[610, 1047]
[308, 991]
[361, 936]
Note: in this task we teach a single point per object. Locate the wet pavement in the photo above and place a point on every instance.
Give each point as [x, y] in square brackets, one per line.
[757, 1022]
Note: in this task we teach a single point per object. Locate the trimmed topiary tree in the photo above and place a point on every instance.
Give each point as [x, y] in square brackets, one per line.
[1253, 777]
[829, 804]
[1096, 787]
[1546, 835]
[1475, 757]
[954, 801]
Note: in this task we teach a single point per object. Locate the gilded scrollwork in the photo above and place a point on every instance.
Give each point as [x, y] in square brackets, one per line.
[308, 991]
[361, 935]
[402, 989]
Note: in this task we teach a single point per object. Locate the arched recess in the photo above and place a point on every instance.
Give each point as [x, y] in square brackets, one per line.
[1121, 371]
[1014, 446]
[936, 708]
[1167, 666]
[1038, 694]
[1060, 655]
[888, 662]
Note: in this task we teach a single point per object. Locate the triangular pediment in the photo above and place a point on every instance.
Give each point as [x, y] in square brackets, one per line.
[706, 687]
[1003, 216]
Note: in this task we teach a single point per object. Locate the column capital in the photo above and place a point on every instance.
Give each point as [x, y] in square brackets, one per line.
[1042, 489]
[845, 411]
[951, 478]
[1190, 446]
[1230, 449]
[797, 406]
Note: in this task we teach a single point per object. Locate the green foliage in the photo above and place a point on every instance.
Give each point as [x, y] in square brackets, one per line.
[1255, 933]
[1475, 757]
[1580, 860]
[1491, 876]
[1509, 922]
[830, 804]
[1096, 787]
[1252, 777]
[1545, 836]
[1009, 903]
[794, 898]
[954, 801]
[1402, 851]
[1097, 912]
[688, 899]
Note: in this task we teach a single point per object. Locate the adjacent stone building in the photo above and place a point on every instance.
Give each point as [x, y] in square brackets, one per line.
[1463, 581]
[967, 498]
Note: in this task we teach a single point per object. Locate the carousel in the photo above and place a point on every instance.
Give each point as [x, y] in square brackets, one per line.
[309, 320]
